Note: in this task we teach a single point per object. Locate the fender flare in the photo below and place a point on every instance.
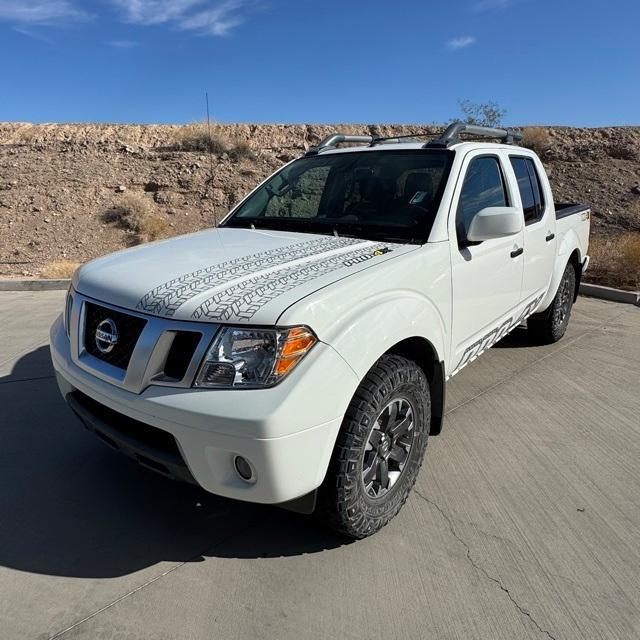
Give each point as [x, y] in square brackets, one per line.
[407, 324]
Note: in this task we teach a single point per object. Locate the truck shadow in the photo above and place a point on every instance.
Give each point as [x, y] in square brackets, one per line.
[516, 339]
[70, 506]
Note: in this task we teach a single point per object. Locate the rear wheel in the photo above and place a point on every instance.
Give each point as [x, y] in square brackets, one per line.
[550, 325]
[379, 449]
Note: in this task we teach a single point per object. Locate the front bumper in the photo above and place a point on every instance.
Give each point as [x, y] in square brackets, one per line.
[287, 432]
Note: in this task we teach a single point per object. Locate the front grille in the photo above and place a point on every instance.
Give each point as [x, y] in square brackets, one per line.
[129, 329]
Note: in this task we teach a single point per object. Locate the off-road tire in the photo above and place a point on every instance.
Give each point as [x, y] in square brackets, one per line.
[343, 501]
[550, 325]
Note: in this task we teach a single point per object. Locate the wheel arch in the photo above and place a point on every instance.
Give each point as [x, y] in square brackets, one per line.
[569, 252]
[576, 260]
[420, 350]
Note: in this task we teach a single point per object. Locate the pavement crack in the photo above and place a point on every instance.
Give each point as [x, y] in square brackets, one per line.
[449, 520]
[26, 379]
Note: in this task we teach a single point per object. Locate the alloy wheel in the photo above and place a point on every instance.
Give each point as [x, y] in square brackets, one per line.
[564, 303]
[388, 447]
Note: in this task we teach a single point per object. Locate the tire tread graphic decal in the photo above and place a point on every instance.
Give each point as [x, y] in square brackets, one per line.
[167, 298]
[242, 301]
[496, 334]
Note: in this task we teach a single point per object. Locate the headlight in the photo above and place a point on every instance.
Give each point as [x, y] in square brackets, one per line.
[246, 358]
[66, 318]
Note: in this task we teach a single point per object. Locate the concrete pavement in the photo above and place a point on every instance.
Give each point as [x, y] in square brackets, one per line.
[525, 521]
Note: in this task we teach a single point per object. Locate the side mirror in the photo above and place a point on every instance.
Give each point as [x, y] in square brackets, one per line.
[494, 222]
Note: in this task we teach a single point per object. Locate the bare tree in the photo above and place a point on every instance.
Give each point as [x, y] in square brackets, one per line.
[485, 114]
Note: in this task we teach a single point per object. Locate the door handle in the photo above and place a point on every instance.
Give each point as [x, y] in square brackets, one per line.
[517, 252]
[550, 237]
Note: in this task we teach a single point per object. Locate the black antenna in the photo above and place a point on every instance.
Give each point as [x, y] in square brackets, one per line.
[215, 215]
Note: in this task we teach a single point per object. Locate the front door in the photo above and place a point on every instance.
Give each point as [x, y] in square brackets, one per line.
[487, 276]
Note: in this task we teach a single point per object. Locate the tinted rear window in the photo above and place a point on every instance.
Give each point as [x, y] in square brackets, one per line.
[529, 188]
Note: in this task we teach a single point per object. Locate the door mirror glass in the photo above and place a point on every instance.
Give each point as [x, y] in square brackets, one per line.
[494, 222]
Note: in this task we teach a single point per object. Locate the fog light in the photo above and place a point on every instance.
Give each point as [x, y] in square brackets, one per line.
[244, 469]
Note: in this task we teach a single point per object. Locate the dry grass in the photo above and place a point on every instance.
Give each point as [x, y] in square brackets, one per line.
[198, 137]
[59, 269]
[136, 212]
[241, 151]
[153, 228]
[537, 139]
[131, 210]
[615, 260]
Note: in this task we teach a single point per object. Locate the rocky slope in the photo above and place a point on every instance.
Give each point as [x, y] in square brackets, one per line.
[59, 183]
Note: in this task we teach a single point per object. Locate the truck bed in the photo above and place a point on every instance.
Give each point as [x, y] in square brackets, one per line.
[564, 209]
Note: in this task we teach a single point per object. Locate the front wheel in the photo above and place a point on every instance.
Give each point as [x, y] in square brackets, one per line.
[550, 325]
[379, 449]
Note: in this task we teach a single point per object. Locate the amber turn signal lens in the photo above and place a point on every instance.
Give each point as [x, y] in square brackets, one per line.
[297, 346]
[297, 343]
[283, 365]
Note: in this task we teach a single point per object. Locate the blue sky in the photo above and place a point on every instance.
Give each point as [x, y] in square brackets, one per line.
[544, 61]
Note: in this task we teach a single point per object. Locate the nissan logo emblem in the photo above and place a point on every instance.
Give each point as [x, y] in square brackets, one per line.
[106, 336]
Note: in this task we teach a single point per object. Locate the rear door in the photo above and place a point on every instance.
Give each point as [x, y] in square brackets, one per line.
[486, 276]
[539, 229]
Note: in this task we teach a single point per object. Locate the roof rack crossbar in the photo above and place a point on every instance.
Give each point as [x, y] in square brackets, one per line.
[332, 141]
[452, 133]
[411, 137]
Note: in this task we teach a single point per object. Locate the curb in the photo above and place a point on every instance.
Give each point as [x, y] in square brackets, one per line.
[33, 285]
[609, 293]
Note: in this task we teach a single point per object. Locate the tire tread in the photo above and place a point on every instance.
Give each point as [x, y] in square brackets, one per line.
[338, 500]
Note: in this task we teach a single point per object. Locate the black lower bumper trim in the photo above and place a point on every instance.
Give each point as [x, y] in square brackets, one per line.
[116, 430]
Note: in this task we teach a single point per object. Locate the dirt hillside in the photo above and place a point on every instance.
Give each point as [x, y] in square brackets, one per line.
[60, 185]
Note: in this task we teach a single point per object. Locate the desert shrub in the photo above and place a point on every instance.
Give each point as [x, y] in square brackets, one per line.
[59, 269]
[615, 260]
[136, 212]
[622, 150]
[197, 137]
[537, 139]
[241, 151]
[152, 228]
[131, 210]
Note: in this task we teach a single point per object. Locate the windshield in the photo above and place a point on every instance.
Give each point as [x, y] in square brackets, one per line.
[381, 195]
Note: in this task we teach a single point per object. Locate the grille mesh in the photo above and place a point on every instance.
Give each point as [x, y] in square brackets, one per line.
[129, 330]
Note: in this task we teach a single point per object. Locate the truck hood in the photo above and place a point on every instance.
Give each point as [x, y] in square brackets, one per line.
[228, 275]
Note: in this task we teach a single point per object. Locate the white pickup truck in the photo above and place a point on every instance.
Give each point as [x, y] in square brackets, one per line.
[297, 354]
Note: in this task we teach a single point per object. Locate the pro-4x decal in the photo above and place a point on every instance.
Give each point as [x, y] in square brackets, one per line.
[497, 333]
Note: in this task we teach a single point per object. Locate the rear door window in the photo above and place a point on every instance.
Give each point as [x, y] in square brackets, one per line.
[529, 188]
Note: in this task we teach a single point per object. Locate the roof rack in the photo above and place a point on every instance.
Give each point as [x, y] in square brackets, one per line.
[452, 133]
[450, 137]
[332, 141]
